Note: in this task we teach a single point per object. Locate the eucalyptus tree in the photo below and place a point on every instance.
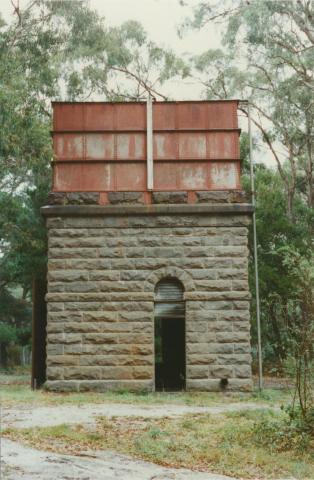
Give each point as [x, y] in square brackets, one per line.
[57, 50]
[268, 58]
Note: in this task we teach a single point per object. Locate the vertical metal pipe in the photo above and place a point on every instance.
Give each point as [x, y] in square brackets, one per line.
[149, 128]
[258, 311]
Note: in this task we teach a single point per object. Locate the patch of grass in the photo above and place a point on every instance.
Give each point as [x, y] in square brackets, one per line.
[225, 444]
[15, 389]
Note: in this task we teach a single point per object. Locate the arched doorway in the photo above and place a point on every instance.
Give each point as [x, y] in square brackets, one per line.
[169, 313]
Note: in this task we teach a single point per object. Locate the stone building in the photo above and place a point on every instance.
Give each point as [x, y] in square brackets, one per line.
[148, 256]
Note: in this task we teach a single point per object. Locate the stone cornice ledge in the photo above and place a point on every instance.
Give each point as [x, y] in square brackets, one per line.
[126, 210]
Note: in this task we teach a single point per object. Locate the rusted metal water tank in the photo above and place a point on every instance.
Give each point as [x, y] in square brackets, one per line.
[102, 147]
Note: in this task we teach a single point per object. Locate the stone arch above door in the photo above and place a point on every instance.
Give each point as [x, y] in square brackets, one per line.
[171, 272]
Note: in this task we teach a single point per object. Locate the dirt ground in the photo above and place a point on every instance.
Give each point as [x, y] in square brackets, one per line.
[20, 462]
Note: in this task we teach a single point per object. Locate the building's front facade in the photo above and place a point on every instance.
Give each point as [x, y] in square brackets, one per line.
[147, 288]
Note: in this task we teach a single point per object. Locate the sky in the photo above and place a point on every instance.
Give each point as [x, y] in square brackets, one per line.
[161, 19]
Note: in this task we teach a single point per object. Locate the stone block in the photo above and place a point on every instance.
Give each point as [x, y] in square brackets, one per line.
[242, 326]
[106, 385]
[204, 274]
[232, 337]
[55, 327]
[196, 337]
[203, 385]
[235, 359]
[212, 197]
[116, 198]
[102, 316]
[235, 316]
[134, 360]
[242, 348]
[55, 338]
[82, 198]
[240, 285]
[221, 371]
[141, 328]
[82, 373]
[74, 349]
[232, 273]
[135, 338]
[54, 306]
[100, 338]
[72, 338]
[82, 287]
[54, 349]
[197, 371]
[140, 275]
[170, 197]
[83, 306]
[144, 349]
[215, 348]
[239, 196]
[221, 326]
[67, 276]
[200, 359]
[64, 360]
[117, 373]
[213, 285]
[82, 327]
[62, 386]
[199, 348]
[67, 252]
[142, 373]
[54, 373]
[56, 198]
[242, 371]
[105, 275]
[64, 317]
[196, 327]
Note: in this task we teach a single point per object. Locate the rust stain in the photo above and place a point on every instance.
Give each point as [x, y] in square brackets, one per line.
[101, 147]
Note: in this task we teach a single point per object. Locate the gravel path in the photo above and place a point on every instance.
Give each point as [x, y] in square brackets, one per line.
[87, 414]
[24, 463]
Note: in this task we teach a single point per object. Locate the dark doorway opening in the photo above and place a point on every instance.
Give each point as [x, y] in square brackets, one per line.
[169, 336]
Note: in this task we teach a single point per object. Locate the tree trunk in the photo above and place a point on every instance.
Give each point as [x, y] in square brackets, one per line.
[280, 350]
[290, 202]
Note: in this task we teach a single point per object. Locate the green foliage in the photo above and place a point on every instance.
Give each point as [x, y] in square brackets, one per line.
[290, 432]
[267, 58]
[277, 235]
[7, 333]
[53, 50]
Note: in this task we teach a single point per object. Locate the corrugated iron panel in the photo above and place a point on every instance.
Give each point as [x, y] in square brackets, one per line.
[131, 176]
[132, 146]
[102, 146]
[131, 116]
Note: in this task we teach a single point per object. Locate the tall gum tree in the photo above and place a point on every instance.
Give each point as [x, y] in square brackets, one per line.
[58, 50]
[267, 58]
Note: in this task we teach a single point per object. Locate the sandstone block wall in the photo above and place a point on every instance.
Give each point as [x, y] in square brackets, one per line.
[102, 271]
